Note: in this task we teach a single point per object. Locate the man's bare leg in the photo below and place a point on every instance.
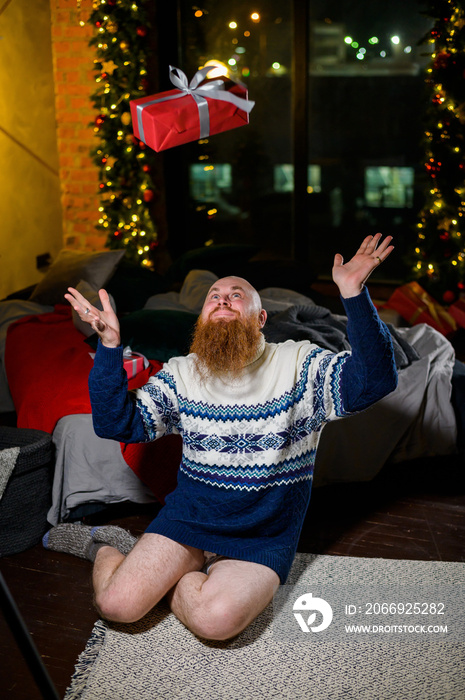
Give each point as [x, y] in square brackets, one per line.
[126, 588]
[224, 602]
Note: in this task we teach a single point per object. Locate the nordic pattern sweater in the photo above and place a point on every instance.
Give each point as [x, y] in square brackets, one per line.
[249, 444]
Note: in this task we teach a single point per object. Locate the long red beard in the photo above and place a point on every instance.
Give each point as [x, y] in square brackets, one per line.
[225, 346]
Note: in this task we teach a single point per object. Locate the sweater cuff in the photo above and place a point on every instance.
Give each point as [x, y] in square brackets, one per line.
[359, 306]
[109, 358]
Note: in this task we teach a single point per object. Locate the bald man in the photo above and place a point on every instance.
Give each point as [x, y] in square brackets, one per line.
[250, 414]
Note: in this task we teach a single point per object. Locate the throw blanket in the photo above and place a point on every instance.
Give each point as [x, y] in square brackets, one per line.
[48, 363]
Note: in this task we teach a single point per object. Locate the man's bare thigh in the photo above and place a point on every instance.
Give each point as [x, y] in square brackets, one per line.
[154, 565]
[244, 580]
[220, 604]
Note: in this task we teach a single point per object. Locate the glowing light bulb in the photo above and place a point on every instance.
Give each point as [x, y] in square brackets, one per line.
[218, 69]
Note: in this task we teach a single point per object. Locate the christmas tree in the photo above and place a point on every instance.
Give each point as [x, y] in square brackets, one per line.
[440, 249]
[126, 186]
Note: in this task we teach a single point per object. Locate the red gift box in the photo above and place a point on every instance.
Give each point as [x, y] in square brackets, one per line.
[416, 306]
[133, 362]
[133, 365]
[457, 311]
[191, 112]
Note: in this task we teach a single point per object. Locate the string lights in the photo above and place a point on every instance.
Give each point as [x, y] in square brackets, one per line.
[123, 162]
[439, 254]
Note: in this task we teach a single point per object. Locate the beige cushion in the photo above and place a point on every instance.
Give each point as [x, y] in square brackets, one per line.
[91, 294]
[195, 288]
[69, 268]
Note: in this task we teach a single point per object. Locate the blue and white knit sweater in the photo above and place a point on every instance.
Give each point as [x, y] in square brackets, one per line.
[249, 444]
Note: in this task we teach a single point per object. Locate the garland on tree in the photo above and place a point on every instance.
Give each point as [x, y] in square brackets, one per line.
[440, 248]
[126, 186]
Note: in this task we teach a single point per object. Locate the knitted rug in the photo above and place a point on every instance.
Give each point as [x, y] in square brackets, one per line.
[159, 658]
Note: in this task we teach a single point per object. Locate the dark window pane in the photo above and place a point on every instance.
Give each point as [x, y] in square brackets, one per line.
[366, 104]
[250, 201]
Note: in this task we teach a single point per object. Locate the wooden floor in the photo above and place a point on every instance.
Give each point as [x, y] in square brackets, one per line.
[414, 510]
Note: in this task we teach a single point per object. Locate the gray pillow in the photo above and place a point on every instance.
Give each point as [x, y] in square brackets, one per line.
[69, 268]
[91, 294]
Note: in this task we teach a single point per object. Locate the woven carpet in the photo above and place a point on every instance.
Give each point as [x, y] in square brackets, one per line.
[159, 658]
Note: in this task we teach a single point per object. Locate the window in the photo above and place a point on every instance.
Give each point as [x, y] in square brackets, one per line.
[207, 183]
[389, 187]
[283, 180]
[257, 49]
[361, 127]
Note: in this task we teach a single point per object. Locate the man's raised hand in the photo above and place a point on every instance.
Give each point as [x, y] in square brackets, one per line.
[352, 275]
[105, 322]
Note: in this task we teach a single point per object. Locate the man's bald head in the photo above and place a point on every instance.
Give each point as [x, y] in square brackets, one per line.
[233, 297]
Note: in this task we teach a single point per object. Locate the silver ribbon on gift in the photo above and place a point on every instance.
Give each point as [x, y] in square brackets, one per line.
[214, 89]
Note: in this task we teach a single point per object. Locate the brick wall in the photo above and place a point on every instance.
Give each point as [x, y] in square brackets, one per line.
[74, 79]
[74, 83]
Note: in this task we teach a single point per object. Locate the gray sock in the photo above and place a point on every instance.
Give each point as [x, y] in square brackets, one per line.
[72, 538]
[114, 536]
[93, 549]
[84, 541]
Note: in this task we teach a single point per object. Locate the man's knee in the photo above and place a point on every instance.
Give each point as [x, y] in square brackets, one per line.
[220, 618]
[115, 607]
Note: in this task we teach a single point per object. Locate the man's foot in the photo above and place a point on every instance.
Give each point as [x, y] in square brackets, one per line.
[84, 541]
[115, 536]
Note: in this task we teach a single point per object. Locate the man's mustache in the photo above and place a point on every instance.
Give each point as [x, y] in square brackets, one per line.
[212, 313]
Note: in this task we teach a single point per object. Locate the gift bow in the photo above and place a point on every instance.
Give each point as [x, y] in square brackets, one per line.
[128, 354]
[214, 89]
